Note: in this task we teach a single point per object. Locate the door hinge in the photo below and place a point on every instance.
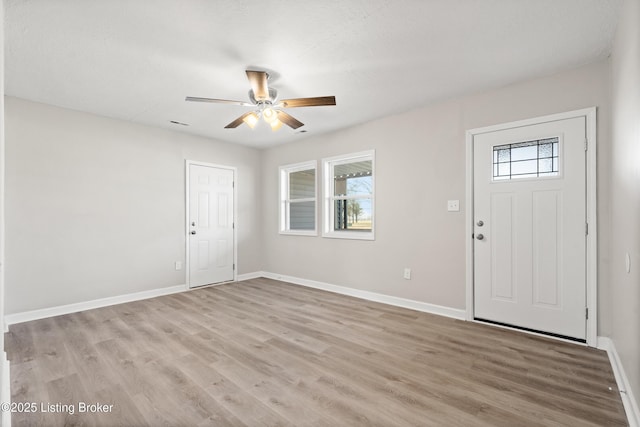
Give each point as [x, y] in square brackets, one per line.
[233, 184]
[234, 267]
[586, 229]
[586, 144]
[587, 312]
[233, 225]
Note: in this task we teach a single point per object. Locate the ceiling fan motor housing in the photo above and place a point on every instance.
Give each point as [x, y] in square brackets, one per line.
[273, 95]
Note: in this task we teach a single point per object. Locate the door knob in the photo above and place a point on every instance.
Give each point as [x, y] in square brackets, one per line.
[480, 237]
[193, 232]
[480, 223]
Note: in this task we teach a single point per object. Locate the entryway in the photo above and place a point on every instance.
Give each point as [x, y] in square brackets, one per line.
[529, 224]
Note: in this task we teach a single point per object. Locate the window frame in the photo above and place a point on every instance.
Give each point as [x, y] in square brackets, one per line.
[328, 186]
[284, 219]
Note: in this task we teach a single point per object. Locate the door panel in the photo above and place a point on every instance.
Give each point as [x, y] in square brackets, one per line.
[502, 278]
[222, 254]
[203, 210]
[530, 265]
[223, 210]
[547, 251]
[211, 228]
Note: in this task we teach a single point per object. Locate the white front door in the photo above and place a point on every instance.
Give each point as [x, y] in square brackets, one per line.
[210, 225]
[530, 227]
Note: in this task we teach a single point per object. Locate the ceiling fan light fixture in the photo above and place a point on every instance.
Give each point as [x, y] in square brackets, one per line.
[269, 114]
[251, 120]
[275, 124]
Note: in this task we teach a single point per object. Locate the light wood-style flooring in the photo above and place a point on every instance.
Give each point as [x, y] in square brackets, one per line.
[267, 353]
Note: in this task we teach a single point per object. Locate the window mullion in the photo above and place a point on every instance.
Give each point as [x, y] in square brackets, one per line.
[309, 199]
[353, 197]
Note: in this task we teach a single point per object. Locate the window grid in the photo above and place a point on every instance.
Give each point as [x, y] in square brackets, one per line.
[520, 156]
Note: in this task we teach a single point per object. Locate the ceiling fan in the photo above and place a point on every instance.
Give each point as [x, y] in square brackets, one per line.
[266, 103]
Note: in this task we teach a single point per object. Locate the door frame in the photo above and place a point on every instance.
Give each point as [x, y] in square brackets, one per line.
[591, 210]
[187, 229]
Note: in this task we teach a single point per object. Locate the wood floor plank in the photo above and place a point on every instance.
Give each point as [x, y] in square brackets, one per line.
[27, 387]
[263, 352]
[68, 392]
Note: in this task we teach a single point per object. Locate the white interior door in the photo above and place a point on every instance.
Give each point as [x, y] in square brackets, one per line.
[530, 227]
[211, 225]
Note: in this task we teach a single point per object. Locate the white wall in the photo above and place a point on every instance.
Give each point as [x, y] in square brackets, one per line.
[420, 164]
[95, 206]
[625, 193]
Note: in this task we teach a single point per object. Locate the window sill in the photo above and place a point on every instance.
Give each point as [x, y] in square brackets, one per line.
[299, 232]
[351, 235]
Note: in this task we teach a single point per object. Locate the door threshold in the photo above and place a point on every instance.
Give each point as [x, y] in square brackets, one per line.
[207, 285]
[532, 331]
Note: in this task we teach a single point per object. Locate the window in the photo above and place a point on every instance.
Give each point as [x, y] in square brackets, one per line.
[530, 159]
[298, 199]
[349, 196]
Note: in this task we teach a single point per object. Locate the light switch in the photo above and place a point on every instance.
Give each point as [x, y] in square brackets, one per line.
[453, 205]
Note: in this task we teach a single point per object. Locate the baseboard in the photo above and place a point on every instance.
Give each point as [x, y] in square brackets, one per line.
[5, 390]
[628, 399]
[249, 276]
[27, 316]
[371, 296]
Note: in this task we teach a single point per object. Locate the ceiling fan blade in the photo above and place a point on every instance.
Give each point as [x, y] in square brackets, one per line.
[218, 101]
[258, 80]
[307, 102]
[237, 122]
[289, 120]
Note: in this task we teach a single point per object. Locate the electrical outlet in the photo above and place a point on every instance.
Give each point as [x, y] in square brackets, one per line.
[453, 205]
[407, 273]
[178, 265]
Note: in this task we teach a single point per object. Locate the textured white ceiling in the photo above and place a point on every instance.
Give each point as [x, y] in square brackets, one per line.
[137, 59]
